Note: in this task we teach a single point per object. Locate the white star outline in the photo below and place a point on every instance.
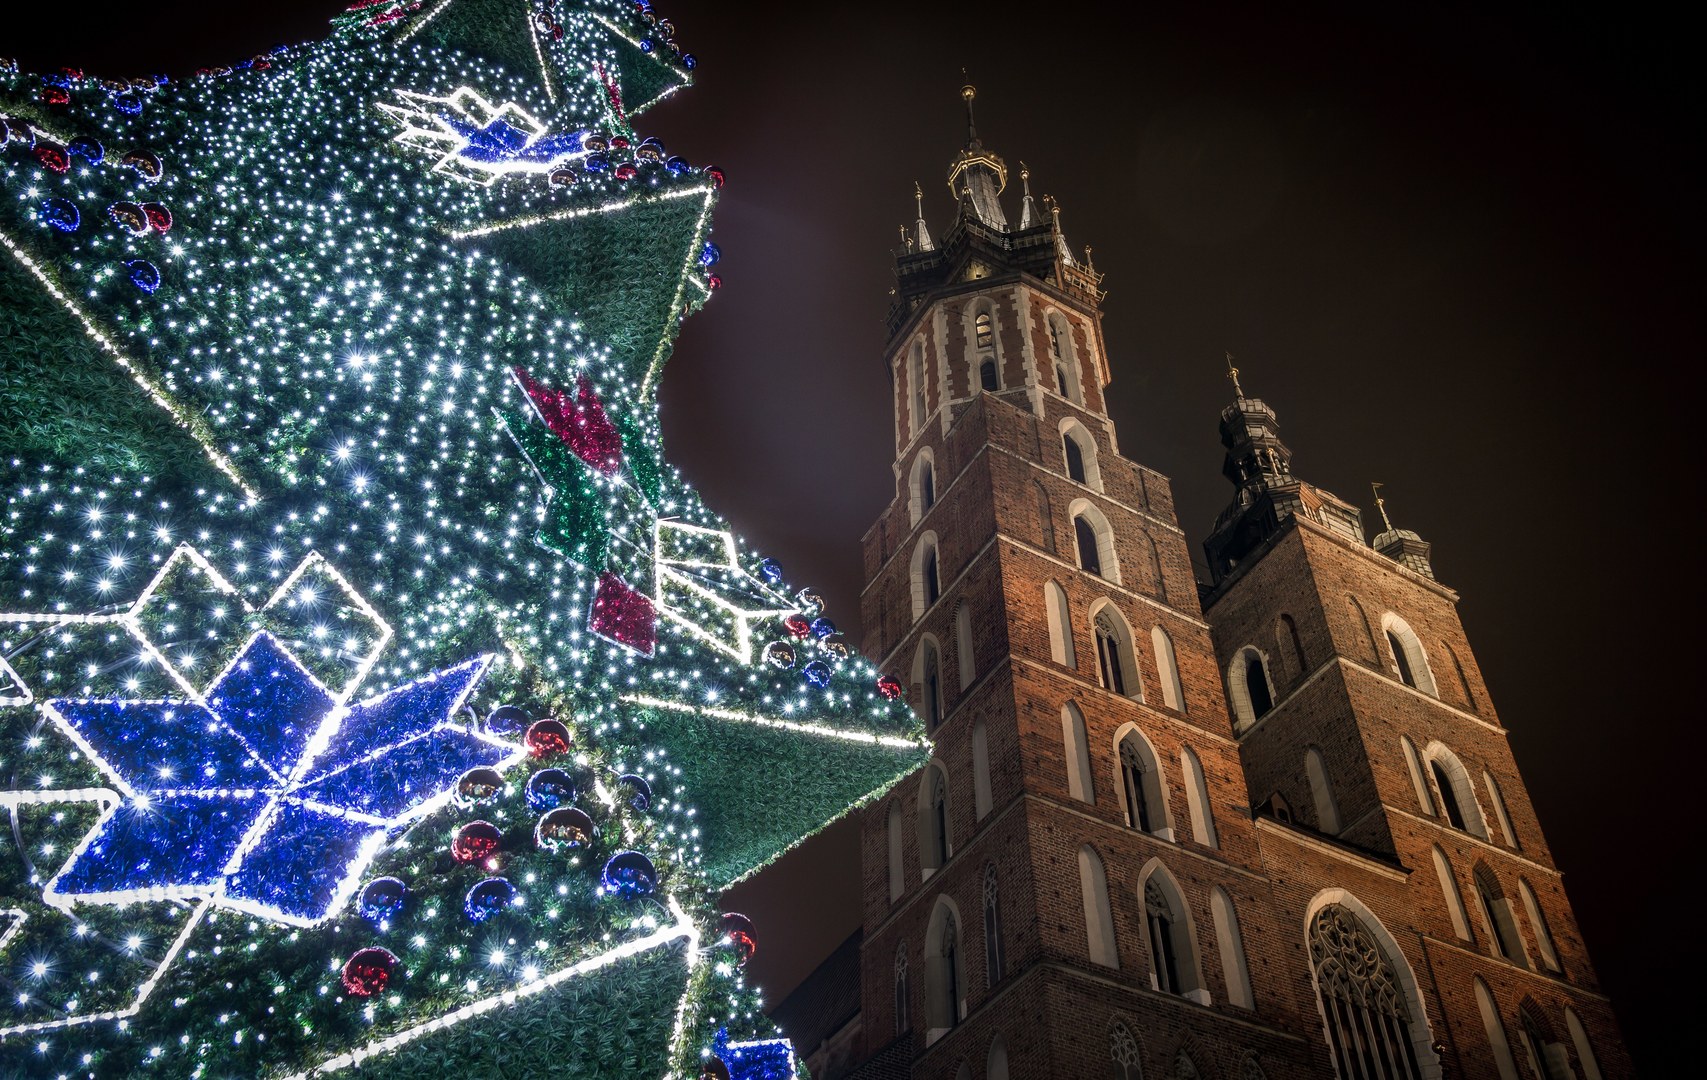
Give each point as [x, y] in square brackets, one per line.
[425, 129]
[672, 572]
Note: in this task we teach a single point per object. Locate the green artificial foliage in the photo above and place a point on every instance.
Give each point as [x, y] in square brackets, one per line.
[301, 592]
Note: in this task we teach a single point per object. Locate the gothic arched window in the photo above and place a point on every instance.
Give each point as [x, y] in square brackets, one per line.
[994, 967]
[1059, 621]
[1160, 920]
[1322, 792]
[930, 683]
[927, 486]
[1448, 796]
[1256, 683]
[903, 993]
[1123, 1050]
[932, 821]
[948, 985]
[1496, 915]
[933, 578]
[939, 817]
[1085, 535]
[1075, 459]
[1405, 651]
[1141, 785]
[987, 377]
[917, 376]
[984, 328]
[1368, 1016]
[1167, 669]
[1116, 666]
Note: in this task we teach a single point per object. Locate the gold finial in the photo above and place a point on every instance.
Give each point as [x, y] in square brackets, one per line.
[1233, 373]
[1381, 505]
[1024, 171]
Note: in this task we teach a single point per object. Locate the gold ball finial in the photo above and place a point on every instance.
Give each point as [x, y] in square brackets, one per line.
[968, 92]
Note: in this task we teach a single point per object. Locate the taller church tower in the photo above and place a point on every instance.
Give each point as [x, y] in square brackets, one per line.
[1270, 828]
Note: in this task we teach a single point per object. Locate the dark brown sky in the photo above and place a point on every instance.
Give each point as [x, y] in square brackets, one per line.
[1455, 247]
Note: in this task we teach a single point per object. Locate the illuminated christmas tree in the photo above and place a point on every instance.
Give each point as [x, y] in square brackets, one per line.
[371, 691]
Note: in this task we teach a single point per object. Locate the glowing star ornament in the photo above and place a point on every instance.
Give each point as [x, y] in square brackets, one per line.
[699, 572]
[476, 140]
[267, 795]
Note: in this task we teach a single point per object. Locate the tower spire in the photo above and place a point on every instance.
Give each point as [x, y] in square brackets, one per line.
[1028, 208]
[1233, 373]
[1381, 505]
[1401, 545]
[924, 242]
[967, 93]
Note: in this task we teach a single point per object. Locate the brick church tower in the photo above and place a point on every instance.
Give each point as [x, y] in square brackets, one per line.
[1264, 827]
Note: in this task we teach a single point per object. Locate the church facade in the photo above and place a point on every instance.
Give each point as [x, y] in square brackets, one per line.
[1262, 825]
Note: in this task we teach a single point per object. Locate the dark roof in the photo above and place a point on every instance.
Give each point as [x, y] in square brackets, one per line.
[825, 1001]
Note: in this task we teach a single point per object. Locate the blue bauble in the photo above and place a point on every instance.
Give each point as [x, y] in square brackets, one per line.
[629, 875]
[129, 104]
[678, 166]
[550, 788]
[61, 214]
[823, 628]
[690, 61]
[637, 791]
[381, 899]
[817, 673]
[143, 275]
[507, 720]
[710, 254]
[771, 571]
[87, 149]
[488, 898]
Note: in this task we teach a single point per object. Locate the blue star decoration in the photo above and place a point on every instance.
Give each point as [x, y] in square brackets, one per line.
[269, 795]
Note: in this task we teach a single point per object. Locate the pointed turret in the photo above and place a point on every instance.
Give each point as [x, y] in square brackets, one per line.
[1028, 208]
[1401, 545]
[1266, 493]
[922, 236]
[979, 172]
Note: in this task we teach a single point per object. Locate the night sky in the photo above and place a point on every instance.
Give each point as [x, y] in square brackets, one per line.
[1455, 248]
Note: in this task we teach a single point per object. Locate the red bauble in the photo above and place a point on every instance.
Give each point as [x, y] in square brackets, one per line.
[475, 842]
[158, 216]
[889, 687]
[56, 95]
[369, 971]
[715, 175]
[52, 155]
[797, 626]
[739, 930]
[548, 738]
[626, 171]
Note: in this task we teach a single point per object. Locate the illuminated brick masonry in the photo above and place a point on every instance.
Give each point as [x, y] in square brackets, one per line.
[1263, 826]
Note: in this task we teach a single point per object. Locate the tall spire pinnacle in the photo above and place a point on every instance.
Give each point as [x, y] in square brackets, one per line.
[923, 239]
[1381, 505]
[1233, 373]
[1028, 208]
[967, 93]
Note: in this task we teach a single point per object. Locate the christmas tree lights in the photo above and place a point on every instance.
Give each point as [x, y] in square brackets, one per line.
[368, 682]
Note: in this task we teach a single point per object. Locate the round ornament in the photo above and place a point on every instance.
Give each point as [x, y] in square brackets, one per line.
[16, 131]
[619, 142]
[712, 1068]
[60, 213]
[838, 649]
[146, 163]
[562, 178]
[823, 628]
[645, 45]
[128, 104]
[563, 829]
[143, 275]
[690, 61]
[381, 899]
[779, 654]
[52, 155]
[626, 171]
[811, 599]
[550, 788]
[369, 971]
[87, 149]
[548, 738]
[494, 896]
[478, 786]
[55, 95]
[595, 142]
[475, 842]
[677, 166]
[739, 930]
[771, 571]
[159, 218]
[709, 254]
[714, 283]
[649, 150]
[797, 626]
[817, 673]
[507, 720]
[636, 791]
[129, 216]
[629, 875]
[596, 163]
[889, 688]
[715, 175]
